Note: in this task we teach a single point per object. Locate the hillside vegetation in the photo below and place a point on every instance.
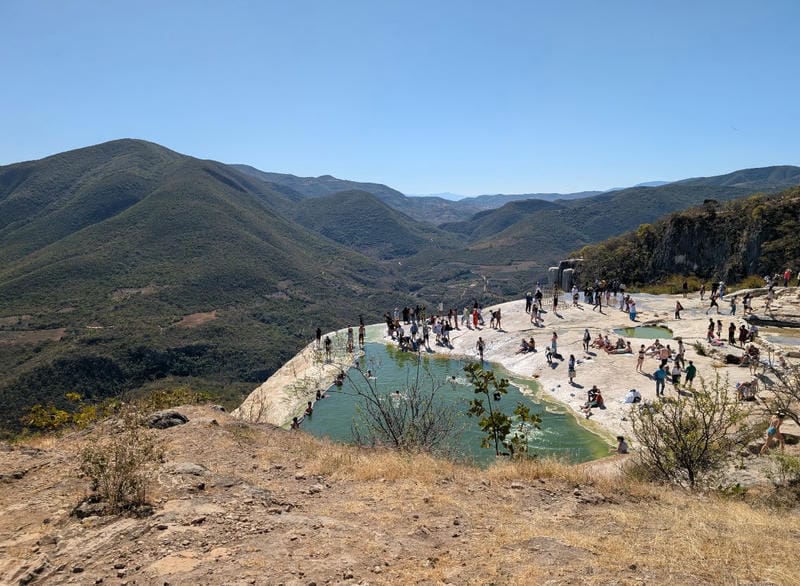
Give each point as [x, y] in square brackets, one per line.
[753, 236]
[126, 266]
[116, 245]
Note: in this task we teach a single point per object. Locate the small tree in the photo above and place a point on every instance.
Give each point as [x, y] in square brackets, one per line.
[414, 419]
[120, 465]
[496, 424]
[688, 439]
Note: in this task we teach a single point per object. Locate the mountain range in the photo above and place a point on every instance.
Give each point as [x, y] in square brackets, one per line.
[126, 266]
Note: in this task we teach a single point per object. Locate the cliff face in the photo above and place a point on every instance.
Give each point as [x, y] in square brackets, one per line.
[756, 235]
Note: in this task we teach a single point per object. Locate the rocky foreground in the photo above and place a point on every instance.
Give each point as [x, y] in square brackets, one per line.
[242, 503]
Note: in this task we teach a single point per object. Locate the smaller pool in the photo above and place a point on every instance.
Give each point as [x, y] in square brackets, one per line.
[650, 332]
[781, 336]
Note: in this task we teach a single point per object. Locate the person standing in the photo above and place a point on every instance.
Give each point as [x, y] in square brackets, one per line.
[571, 368]
[587, 338]
[480, 346]
[361, 335]
[676, 374]
[328, 344]
[640, 359]
[691, 371]
[319, 338]
[702, 292]
[713, 303]
[678, 309]
[528, 301]
[598, 301]
[661, 376]
[685, 288]
[732, 334]
[350, 339]
[554, 343]
[680, 353]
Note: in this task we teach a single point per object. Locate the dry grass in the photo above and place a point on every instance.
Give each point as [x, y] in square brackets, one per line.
[658, 530]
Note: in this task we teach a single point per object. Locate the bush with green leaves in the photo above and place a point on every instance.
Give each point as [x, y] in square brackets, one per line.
[494, 423]
[687, 440]
[120, 465]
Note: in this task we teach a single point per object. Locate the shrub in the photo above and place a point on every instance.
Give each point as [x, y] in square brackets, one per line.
[689, 439]
[120, 465]
[496, 424]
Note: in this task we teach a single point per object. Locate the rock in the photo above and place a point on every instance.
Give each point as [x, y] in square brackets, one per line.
[218, 408]
[517, 485]
[77, 569]
[165, 419]
[47, 540]
[315, 488]
[89, 508]
[186, 468]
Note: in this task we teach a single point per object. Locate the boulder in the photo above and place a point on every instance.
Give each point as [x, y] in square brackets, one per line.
[165, 419]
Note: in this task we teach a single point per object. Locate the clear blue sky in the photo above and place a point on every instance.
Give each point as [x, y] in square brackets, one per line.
[463, 96]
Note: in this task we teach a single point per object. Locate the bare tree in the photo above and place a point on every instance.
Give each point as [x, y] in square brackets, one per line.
[411, 419]
[784, 392]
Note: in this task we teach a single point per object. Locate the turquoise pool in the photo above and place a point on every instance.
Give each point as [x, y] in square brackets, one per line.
[560, 434]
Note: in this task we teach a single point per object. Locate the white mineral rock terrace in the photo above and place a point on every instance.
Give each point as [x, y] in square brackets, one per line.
[285, 393]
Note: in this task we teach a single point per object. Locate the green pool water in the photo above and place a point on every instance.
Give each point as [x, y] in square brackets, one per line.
[649, 332]
[560, 434]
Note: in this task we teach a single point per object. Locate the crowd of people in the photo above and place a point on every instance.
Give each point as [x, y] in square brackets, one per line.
[411, 328]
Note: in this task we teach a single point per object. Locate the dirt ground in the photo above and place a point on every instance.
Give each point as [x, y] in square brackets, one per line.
[241, 503]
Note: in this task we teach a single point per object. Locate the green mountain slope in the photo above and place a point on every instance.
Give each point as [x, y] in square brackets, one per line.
[754, 235]
[362, 222]
[777, 177]
[566, 225]
[127, 263]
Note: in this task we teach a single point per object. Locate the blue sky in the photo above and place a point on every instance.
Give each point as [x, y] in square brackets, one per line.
[462, 96]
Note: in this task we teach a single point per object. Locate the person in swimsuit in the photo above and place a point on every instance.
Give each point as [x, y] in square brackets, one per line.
[773, 432]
